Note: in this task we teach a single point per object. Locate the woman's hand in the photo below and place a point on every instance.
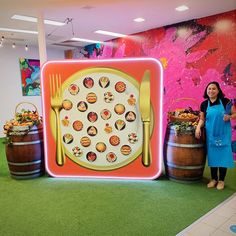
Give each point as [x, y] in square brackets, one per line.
[198, 133]
[226, 117]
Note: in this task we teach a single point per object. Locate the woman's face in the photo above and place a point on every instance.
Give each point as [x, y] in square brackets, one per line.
[212, 91]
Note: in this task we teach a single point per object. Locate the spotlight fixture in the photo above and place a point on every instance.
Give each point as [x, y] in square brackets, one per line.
[13, 45]
[139, 19]
[2, 38]
[1, 44]
[26, 48]
[182, 8]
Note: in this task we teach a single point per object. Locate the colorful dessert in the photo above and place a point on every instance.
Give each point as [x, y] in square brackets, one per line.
[82, 106]
[108, 97]
[88, 82]
[78, 125]
[114, 140]
[67, 104]
[85, 141]
[120, 87]
[91, 156]
[92, 116]
[108, 128]
[65, 121]
[101, 147]
[77, 151]
[68, 138]
[91, 98]
[120, 124]
[132, 138]
[119, 109]
[92, 131]
[104, 82]
[105, 114]
[73, 89]
[125, 150]
[131, 100]
[111, 157]
[130, 116]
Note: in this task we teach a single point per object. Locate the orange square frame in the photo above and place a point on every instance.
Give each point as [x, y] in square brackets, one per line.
[134, 67]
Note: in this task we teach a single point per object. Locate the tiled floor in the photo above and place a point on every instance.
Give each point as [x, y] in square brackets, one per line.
[220, 221]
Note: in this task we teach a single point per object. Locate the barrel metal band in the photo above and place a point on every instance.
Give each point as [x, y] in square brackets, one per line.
[35, 131]
[26, 172]
[27, 143]
[197, 145]
[185, 167]
[24, 163]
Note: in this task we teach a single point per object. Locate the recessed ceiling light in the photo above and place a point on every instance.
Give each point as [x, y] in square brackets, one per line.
[19, 31]
[139, 19]
[110, 33]
[34, 19]
[85, 40]
[181, 8]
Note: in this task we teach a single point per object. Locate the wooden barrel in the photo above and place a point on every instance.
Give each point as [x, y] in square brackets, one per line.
[184, 156]
[25, 153]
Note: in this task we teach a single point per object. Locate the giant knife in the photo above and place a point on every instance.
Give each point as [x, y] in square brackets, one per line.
[145, 110]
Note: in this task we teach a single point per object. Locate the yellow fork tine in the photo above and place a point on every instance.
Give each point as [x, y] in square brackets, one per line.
[60, 90]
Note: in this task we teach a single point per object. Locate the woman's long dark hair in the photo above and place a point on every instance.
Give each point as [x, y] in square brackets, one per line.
[220, 94]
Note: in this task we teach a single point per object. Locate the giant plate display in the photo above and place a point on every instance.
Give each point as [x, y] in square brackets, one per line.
[100, 121]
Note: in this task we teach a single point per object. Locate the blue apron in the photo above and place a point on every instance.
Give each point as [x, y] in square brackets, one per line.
[218, 137]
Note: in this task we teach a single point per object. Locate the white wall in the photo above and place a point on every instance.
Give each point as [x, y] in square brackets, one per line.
[10, 79]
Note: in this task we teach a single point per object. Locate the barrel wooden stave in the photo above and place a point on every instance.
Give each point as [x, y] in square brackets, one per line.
[25, 154]
[184, 156]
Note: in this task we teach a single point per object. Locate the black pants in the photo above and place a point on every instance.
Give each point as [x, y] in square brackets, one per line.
[222, 173]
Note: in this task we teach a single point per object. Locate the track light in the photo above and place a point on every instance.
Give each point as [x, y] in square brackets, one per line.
[26, 48]
[13, 45]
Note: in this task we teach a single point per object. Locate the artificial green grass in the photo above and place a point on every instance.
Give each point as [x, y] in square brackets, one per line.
[49, 206]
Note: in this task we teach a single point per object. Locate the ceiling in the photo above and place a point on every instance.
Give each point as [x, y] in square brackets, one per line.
[90, 15]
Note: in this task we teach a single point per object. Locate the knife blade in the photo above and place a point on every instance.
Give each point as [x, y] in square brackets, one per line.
[145, 110]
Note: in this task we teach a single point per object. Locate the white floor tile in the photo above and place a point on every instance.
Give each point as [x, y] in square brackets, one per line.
[225, 211]
[214, 220]
[233, 218]
[220, 233]
[201, 229]
[226, 226]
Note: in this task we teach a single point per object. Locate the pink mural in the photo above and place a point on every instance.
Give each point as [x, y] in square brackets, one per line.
[192, 53]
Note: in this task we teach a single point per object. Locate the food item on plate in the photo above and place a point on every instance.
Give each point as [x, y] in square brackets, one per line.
[104, 82]
[82, 106]
[130, 116]
[85, 141]
[73, 89]
[114, 140]
[67, 104]
[68, 138]
[131, 100]
[65, 121]
[111, 157]
[77, 125]
[108, 128]
[108, 97]
[91, 98]
[77, 151]
[101, 147]
[92, 116]
[120, 124]
[88, 82]
[91, 156]
[120, 87]
[132, 138]
[92, 131]
[105, 114]
[119, 109]
[125, 150]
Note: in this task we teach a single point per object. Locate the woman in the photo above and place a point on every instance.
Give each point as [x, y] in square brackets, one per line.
[218, 133]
